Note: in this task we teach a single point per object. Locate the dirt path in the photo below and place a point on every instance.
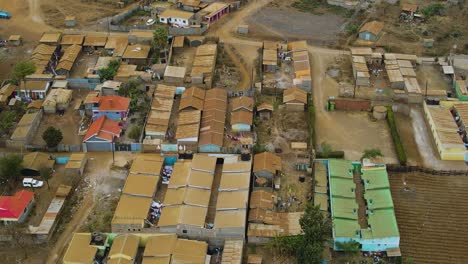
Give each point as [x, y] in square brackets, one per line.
[77, 220]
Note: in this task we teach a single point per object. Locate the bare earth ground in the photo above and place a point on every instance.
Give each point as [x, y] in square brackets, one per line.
[352, 132]
[289, 24]
[68, 123]
[432, 216]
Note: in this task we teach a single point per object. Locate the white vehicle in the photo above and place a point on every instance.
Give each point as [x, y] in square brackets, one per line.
[150, 22]
[32, 183]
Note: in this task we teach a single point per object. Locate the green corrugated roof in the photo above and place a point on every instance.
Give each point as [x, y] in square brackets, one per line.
[340, 168]
[321, 178]
[342, 187]
[321, 200]
[383, 224]
[344, 208]
[375, 179]
[346, 228]
[378, 199]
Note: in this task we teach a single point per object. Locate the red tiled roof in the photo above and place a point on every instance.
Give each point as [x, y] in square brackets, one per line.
[103, 128]
[13, 206]
[113, 103]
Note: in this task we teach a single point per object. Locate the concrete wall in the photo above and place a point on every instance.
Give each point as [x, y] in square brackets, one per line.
[188, 31]
[240, 127]
[294, 107]
[210, 148]
[368, 36]
[352, 104]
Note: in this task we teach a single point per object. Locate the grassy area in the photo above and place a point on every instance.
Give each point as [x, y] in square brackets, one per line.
[319, 7]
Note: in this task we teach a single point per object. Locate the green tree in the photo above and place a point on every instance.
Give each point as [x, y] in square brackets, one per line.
[160, 36]
[6, 121]
[110, 71]
[349, 247]
[352, 28]
[308, 247]
[10, 167]
[371, 153]
[435, 9]
[46, 174]
[52, 136]
[23, 69]
[135, 132]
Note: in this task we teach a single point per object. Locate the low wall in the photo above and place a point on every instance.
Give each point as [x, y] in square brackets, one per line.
[188, 31]
[352, 104]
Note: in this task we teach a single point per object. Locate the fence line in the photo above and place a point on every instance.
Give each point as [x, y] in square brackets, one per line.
[399, 168]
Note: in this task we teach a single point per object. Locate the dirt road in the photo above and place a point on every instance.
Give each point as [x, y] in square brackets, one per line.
[98, 176]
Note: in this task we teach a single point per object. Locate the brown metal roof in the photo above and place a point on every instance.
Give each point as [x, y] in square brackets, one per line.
[267, 161]
[295, 95]
[242, 102]
[374, 27]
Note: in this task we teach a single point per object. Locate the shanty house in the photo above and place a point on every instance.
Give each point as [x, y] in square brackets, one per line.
[52, 38]
[112, 106]
[94, 42]
[57, 99]
[174, 74]
[295, 99]
[242, 103]
[17, 207]
[32, 89]
[33, 162]
[266, 164]
[371, 30]
[241, 120]
[176, 17]
[76, 164]
[7, 92]
[15, 40]
[68, 60]
[101, 134]
[136, 54]
[214, 11]
[68, 40]
[265, 110]
[191, 5]
[25, 129]
[193, 98]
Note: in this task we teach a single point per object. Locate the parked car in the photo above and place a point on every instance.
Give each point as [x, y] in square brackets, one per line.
[5, 15]
[32, 183]
[150, 22]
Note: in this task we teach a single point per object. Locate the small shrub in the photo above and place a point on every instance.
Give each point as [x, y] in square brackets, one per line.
[435, 9]
[352, 28]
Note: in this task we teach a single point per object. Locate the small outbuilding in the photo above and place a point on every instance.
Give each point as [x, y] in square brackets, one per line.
[57, 100]
[265, 110]
[174, 74]
[76, 164]
[295, 99]
[243, 29]
[35, 161]
[70, 21]
[266, 164]
[371, 30]
[15, 40]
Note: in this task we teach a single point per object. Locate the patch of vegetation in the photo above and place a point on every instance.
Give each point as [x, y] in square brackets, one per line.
[435, 9]
[110, 71]
[349, 247]
[352, 28]
[160, 36]
[396, 137]
[10, 169]
[139, 102]
[135, 132]
[319, 7]
[371, 153]
[311, 123]
[257, 148]
[6, 121]
[308, 247]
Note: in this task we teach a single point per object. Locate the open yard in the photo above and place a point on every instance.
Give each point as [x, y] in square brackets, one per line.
[68, 123]
[286, 23]
[432, 216]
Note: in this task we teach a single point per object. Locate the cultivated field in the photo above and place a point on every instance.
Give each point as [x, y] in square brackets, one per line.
[432, 216]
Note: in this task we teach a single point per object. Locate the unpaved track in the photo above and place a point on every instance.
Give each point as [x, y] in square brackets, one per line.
[59, 247]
